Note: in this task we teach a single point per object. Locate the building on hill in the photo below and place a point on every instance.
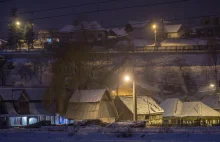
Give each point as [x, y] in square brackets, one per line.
[177, 112]
[24, 106]
[87, 31]
[92, 104]
[147, 109]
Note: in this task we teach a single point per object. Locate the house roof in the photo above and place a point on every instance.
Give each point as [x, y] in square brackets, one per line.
[212, 101]
[35, 93]
[10, 94]
[119, 31]
[172, 107]
[145, 105]
[138, 24]
[15, 93]
[86, 25]
[175, 108]
[86, 96]
[38, 109]
[172, 28]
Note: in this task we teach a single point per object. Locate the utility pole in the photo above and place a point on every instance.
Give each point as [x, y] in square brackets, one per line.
[134, 102]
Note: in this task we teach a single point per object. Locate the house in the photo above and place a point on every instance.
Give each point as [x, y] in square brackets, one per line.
[117, 32]
[177, 112]
[24, 106]
[87, 31]
[46, 36]
[175, 31]
[92, 104]
[144, 30]
[147, 109]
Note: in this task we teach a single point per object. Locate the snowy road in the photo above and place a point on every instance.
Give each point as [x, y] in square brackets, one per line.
[98, 137]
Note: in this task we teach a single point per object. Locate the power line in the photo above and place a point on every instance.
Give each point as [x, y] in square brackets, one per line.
[110, 9]
[113, 9]
[5, 0]
[70, 6]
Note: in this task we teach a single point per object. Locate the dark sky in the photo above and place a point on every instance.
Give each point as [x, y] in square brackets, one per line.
[119, 17]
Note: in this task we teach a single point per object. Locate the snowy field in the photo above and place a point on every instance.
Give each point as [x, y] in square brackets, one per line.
[192, 134]
[98, 137]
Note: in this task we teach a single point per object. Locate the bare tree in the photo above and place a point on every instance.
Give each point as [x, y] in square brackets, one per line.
[212, 62]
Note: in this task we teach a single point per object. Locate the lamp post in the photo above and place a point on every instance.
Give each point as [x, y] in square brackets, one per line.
[155, 33]
[127, 78]
[18, 23]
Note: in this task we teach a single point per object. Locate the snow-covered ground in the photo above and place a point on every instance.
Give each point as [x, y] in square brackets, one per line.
[210, 135]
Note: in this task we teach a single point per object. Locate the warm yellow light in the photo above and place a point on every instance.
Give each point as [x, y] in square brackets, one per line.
[212, 85]
[127, 78]
[113, 91]
[154, 26]
[18, 23]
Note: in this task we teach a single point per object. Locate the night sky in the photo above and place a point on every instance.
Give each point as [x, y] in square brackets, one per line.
[110, 18]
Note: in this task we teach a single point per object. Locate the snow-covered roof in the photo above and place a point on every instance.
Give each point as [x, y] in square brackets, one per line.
[143, 104]
[38, 109]
[15, 93]
[212, 101]
[183, 42]
[86, 96]
[86, 25]
[175, 108]
[172, 107]
[119, 31]
[35, 93]
[10, 94]
[138, 24]
[172, 28]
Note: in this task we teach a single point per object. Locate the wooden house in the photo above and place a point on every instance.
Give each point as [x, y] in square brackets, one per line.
[147, 109]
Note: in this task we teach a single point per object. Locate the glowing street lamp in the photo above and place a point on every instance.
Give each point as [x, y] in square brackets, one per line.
[155, 33]
[18, 23]
[128, 78]
[212, 85]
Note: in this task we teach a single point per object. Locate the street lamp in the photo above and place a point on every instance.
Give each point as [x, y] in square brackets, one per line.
[127, 78]
[18, 23]
[212, 85]
[155, 33]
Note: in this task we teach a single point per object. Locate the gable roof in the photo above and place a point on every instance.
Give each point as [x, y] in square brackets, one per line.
[212, 101]
[145, 105]
[35, 93]
[198, 109]
[86, 96]
[172, 28]
[93, 25]
[172, 107]
[10, 94]
[175, 108]
[118, 31]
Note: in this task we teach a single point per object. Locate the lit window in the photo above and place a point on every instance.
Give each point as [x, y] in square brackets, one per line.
[49, 40]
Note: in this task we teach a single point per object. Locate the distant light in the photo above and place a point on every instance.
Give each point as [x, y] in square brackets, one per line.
[154, 26]
[49, 40]
[127, 78]
[113, 91]
[18, 23]
[212, 85]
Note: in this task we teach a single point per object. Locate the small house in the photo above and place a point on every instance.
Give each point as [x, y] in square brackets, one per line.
[24, 106]
[174, 31]
[147, 109]
[90, 31]
[190, 113]
[92, 104]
